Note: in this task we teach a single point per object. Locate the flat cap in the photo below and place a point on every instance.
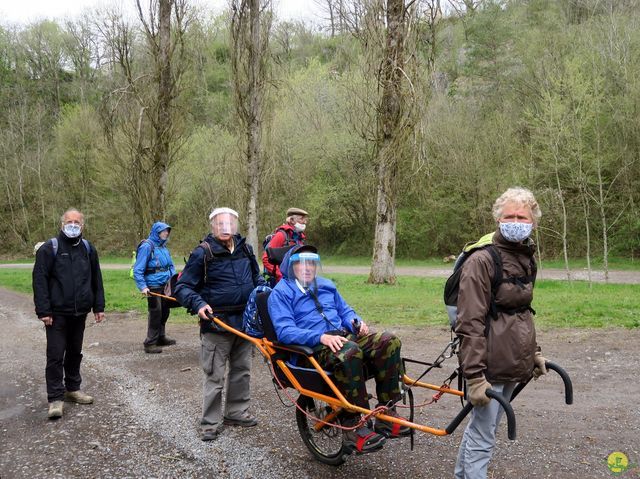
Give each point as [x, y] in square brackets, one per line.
[296, 211]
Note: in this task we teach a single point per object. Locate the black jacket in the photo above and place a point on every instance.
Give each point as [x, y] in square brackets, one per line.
[230, 279]
[69, 283]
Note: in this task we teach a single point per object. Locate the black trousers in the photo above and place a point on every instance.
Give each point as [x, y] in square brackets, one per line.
[64, 354]
[158, 314]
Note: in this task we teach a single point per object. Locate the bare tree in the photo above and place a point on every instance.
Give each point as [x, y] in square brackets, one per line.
[250, 28]
[142, 117]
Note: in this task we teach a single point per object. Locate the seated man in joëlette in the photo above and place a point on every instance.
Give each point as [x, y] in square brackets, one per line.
[307, 309]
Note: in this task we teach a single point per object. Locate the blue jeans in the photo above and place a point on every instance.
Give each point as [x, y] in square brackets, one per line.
[479, 437]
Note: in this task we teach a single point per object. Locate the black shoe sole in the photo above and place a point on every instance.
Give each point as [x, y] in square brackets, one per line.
[233, 422]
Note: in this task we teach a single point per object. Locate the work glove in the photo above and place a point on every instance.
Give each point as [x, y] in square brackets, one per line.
[476, 391]
[540, 367]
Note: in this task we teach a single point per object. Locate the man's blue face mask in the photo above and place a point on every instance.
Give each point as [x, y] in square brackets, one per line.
[72, 230]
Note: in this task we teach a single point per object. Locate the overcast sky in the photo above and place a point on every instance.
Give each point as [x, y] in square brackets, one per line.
[25, 11]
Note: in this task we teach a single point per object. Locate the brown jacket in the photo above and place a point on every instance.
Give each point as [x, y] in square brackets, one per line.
[506, 354]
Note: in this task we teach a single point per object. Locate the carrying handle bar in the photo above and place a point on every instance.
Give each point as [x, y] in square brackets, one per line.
[508, 411]
[568, 385]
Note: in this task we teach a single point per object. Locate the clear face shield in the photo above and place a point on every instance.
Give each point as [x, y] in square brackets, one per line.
[305, 267]
[224, 225]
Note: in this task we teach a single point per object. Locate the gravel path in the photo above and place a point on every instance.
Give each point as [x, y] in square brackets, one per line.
[144, 422]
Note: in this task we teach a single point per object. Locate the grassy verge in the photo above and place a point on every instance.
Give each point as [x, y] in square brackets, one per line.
[620, 264]
[417, 301]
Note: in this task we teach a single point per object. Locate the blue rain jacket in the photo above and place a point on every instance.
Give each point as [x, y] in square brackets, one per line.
[144, 269]
[295, 317]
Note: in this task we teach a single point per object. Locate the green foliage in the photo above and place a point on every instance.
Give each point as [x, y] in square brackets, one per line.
[538, 93]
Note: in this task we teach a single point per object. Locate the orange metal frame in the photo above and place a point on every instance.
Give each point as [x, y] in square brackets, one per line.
[268, 349]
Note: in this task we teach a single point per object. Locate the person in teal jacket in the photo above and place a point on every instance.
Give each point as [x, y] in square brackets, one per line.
[152, 270]
[307, 309]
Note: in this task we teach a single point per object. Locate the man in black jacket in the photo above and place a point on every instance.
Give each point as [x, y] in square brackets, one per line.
[218, 279]
[67, 285]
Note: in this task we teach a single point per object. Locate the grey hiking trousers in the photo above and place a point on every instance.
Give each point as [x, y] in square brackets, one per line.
[479, 437]
[217, 350]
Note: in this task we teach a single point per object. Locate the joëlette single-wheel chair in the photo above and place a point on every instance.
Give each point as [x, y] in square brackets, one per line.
[320, 402]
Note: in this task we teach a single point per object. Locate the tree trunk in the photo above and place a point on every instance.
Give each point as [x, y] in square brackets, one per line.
[603, 219]
[565, 253]
[254, 127]
[163, 122]
[250, 27]
[387, 145]
[586, 210]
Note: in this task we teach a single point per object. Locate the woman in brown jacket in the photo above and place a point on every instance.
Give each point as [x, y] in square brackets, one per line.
[498, 348]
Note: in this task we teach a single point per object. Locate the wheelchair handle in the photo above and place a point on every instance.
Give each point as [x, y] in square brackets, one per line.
[508, 411]
[568, 385]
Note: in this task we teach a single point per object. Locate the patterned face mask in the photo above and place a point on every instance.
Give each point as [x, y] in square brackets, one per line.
[72, 230]
[516, 232]
[299, 227]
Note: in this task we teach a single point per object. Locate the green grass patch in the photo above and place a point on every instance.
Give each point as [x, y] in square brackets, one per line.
[559, 304]
[121, 294]
[415, 301]
[621, 264]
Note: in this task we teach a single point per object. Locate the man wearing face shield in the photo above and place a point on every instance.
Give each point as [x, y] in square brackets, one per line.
[217, 280]
[307, 309]
[67, 285]
[289, 234]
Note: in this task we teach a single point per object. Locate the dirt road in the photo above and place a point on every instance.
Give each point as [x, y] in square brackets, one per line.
[144, 420]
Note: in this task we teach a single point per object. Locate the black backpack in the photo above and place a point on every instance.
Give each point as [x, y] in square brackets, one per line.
[276, 255]
[452, 286]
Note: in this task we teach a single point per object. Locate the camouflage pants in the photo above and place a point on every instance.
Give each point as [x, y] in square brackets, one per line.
[379, 353]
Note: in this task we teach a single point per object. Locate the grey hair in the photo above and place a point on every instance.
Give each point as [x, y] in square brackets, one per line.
[520, 196]
[71, 210]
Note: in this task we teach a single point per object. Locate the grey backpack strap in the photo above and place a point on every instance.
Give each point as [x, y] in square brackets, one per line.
[54, 245]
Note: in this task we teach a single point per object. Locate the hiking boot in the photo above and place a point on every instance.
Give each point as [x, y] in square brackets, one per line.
[55, 409]
[362, 440]
[210, 435]
[391, 429]
[245, 420]
[78, 397]
[166, 341]
[152, 349]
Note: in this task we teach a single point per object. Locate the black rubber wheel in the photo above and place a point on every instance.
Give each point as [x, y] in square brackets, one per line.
[325, 444]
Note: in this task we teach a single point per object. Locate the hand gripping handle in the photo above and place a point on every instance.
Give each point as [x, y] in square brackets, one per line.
[508, 411]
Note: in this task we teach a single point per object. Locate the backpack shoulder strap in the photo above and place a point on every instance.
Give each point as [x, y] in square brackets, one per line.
[54, 245]
[208, 252]
[287, 237]
[208, 256]
[497, 261]
[152, 247]
[248, 251]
